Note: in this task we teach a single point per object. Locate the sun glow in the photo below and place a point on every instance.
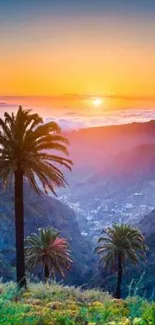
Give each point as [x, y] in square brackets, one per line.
[97, 102]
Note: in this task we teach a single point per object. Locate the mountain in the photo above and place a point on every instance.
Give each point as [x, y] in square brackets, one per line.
[93, 148]
[113, 178]
[41, 211]
[146, 271]
[147, 224]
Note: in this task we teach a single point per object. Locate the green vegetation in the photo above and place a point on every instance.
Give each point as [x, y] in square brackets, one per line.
[48, 250]
[24, 141]
[120, 243]
[53, 304]
[28, 150]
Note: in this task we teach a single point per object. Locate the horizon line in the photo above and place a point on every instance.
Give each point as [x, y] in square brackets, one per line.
[80, 97]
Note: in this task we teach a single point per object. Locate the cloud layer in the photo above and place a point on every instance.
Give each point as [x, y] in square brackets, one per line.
[76, 120]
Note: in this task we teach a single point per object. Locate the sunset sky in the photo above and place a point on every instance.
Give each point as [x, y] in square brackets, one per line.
[79, 48]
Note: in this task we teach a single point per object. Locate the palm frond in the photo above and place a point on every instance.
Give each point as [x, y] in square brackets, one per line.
[47, 247]
[121, 240]
[31, 145]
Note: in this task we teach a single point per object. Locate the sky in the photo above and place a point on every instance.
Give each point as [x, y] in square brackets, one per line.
[73, 50]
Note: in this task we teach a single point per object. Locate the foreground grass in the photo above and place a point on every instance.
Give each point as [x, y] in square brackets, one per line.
[58, 305]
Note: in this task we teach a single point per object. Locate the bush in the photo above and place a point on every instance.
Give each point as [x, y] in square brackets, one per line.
[53, 304]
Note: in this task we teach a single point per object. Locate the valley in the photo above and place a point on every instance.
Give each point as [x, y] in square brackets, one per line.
[113, 178]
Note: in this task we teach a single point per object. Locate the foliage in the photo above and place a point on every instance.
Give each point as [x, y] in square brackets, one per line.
[49, 250]
[53, 304]
[28, 149]
[121, 239]
[25, 140]
[119, 244]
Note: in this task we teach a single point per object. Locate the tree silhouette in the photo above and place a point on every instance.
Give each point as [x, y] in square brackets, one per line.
[28, 149]
[118, 244]
[48, 249]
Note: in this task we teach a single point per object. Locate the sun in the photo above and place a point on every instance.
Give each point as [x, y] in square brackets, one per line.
[97, 102]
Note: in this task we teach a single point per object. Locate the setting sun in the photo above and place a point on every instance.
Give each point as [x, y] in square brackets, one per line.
[77, 162]
[97, 102]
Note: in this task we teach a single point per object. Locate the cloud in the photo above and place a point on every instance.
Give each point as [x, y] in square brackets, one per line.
[85, 120]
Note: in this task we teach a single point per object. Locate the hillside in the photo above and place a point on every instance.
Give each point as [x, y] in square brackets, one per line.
[147, 224]
[121, 191]
[113, 178]
[41, 211]
[57, 305]
[95, 147]
[139, 278]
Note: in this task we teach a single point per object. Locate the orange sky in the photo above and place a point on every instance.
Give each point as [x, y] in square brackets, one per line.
[87, 54]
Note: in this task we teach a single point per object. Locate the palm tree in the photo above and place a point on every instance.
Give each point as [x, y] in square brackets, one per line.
[28, 149]
[120, 243]
[49, 250]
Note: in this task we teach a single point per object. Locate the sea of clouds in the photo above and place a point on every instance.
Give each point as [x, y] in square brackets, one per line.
[69, 119]
[76, 120]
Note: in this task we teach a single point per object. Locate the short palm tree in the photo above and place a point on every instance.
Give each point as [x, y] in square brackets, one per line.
[119, 244]
[28, 149]
[48, 249]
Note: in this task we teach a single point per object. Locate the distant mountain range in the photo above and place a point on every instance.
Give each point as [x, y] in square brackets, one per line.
[95, 147]
[113, 178]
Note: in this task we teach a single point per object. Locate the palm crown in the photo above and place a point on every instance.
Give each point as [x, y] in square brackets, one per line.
[30, 148]
[48, 249]
[30, 145]
[121, 240]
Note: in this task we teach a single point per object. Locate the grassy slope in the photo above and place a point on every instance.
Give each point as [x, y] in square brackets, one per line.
[58, 305]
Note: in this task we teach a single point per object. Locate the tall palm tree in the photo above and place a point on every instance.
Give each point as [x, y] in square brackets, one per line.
[49, 250]
[119, 244]
[28, 149]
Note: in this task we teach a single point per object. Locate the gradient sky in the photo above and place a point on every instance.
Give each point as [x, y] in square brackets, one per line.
[98, 47]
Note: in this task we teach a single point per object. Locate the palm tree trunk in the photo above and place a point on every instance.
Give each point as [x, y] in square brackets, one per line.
[119, 278]
[46, 273]
[19, 228]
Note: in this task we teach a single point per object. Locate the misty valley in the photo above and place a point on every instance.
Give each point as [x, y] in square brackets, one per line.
[113, 181]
